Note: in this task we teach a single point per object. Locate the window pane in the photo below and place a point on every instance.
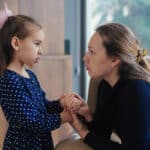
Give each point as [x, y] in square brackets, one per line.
[134, 13]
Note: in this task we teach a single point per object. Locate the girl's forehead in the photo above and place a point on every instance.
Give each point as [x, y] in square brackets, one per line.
[38, 35]
[35, 35]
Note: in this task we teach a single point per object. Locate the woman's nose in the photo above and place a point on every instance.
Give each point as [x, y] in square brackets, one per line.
[85, 57]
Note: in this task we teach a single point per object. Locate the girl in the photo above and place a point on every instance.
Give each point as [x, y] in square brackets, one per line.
[30, 115]
[123, 98]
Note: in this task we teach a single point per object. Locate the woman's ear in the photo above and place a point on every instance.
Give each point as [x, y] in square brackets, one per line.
[115, 61]
[15, 43]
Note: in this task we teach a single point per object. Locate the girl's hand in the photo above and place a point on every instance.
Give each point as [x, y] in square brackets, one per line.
[69, 101]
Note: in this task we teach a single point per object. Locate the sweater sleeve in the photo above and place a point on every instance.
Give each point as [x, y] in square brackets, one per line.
[134, 120]
[19, 109]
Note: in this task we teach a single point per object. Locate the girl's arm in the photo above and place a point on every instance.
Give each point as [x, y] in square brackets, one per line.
[20, 111]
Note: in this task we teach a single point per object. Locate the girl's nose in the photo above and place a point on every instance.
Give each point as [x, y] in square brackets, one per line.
[40, 52]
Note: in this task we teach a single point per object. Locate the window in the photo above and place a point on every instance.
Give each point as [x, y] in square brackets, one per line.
[133, 13]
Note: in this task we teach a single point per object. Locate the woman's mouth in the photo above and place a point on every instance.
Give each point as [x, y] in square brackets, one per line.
[87, 68]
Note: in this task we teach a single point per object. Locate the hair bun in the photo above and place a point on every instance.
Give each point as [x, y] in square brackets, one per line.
[141, 53]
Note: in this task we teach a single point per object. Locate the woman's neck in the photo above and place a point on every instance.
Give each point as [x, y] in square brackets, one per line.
[112, 78]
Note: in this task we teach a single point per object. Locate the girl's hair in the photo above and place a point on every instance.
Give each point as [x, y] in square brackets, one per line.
[19, 26]
[121, 42]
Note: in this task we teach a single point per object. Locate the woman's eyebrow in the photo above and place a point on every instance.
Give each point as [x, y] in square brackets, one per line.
[91, 47]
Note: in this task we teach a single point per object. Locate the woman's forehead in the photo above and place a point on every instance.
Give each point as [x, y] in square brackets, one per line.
[95, 40]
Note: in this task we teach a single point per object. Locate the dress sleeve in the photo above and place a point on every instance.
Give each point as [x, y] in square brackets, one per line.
[134, 121]
[53, 106]
[19, 109]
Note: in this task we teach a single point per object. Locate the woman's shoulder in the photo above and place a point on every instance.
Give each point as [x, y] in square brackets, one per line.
[136, 88]
[138, 84]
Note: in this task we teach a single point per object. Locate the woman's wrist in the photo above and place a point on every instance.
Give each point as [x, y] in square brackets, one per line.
[83, 133]
[88, 118]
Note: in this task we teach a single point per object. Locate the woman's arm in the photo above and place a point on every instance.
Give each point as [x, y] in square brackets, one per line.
[134, 121]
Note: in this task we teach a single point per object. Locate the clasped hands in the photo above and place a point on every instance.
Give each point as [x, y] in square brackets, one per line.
[73, 106]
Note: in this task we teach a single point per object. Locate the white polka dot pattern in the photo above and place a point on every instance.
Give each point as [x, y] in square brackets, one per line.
[30, 115]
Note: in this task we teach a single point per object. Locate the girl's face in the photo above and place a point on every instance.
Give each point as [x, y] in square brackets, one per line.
[30, 48]
[97, 62]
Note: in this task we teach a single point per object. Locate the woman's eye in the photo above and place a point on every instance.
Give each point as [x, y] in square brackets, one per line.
[91, 52]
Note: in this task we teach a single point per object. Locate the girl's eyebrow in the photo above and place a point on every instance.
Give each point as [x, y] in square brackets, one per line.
[37, 40]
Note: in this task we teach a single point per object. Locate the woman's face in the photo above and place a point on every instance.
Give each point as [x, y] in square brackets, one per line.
[97, 63]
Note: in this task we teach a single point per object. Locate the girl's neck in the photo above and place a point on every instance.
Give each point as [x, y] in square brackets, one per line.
[18, 68]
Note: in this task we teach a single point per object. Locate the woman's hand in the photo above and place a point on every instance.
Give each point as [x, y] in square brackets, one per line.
[78, 126]
[84, 109]
[85, 112]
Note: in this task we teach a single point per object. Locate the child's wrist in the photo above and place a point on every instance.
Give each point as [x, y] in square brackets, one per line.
[62, 102]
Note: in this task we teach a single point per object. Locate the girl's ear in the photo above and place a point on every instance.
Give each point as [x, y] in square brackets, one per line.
[15, 43]
[115, 61]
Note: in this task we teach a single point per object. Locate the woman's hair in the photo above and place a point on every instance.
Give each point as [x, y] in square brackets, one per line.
[19, 26]
[121, 42]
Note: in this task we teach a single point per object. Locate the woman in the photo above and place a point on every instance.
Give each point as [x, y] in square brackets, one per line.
[123, 99]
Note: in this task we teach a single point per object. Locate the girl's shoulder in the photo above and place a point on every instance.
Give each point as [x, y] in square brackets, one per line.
[9, 78]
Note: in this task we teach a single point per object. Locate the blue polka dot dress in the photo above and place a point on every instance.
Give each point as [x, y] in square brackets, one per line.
[30, 115]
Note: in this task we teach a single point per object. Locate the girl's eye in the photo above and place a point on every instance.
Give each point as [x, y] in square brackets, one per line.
[37, 44]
